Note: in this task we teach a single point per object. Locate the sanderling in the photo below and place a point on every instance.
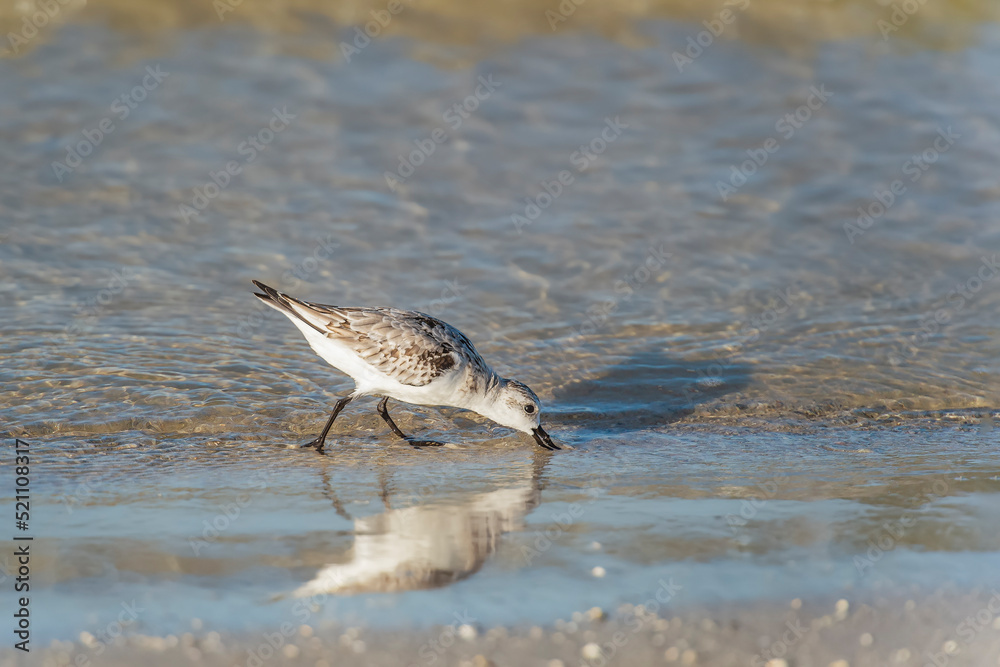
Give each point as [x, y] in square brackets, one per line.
[411, 357]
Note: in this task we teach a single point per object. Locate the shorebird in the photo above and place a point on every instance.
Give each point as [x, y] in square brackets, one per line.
[409, 356]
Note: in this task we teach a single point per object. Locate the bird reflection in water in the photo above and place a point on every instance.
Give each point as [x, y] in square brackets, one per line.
[429, 545]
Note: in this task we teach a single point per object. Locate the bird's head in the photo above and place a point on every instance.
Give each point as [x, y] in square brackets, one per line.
[516, 406]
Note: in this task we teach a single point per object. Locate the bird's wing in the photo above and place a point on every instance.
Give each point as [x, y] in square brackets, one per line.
[409, 347]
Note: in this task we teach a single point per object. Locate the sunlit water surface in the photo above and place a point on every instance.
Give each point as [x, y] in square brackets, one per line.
[750, 391]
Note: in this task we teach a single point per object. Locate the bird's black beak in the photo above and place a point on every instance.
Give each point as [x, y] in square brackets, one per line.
[543, 439]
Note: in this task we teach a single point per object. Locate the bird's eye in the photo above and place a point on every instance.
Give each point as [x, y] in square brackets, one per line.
[529, 409]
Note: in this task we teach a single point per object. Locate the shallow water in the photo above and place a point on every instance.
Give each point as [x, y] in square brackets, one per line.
[703, 356]
[237, 534]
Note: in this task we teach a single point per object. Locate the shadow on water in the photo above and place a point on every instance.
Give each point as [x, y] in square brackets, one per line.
[430, 544]
[648, 388]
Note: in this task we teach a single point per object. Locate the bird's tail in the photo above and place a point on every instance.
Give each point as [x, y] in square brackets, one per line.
[289, 305]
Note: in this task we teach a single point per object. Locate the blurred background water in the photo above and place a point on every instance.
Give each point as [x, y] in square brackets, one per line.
[649, 212]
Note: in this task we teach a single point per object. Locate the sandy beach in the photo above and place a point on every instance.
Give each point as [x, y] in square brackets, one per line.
[942, 628]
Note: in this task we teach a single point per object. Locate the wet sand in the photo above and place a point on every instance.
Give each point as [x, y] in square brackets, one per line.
[947, 627]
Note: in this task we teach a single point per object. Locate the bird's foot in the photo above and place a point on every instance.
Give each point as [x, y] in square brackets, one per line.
[424, 443]
[316, 444]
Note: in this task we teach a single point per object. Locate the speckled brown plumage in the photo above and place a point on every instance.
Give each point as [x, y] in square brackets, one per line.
[410, 347]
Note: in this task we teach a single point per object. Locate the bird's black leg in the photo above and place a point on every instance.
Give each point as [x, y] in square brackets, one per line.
[384, 414]
[318, 442]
